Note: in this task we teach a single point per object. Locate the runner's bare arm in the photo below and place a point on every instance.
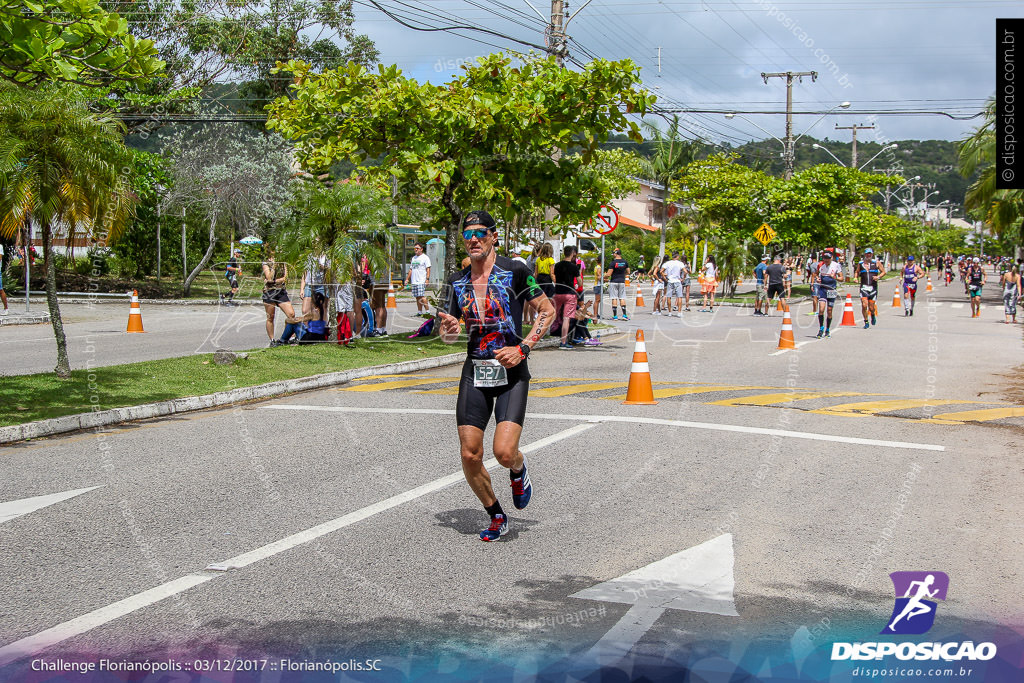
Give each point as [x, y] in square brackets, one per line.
[545, 311]
[450, 328]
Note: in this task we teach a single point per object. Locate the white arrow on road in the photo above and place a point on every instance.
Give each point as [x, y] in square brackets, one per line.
[699, 579]
[17, 508]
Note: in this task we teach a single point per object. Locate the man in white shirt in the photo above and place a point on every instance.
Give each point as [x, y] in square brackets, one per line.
[673, 270]
[419, 274]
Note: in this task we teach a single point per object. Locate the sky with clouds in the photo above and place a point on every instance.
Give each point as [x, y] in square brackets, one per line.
[881, 56]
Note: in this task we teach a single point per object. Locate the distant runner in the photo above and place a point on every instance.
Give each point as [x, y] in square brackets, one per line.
[976, 279]
[828, 275]
[911, 274]
[870, 271]
[489, 296]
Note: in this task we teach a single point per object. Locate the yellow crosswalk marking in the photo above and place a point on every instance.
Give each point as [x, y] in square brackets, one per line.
[875, 407]
[769, 399]
[982, 415]
[555, 392]
[454, 390]
[686, 391]
[399, 384]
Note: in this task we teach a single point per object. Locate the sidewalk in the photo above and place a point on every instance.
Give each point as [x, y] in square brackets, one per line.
[14, 317]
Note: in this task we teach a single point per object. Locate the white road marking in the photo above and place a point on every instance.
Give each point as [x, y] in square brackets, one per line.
[17, 508]
[713, 426]
[79, 625]
[699, 579]
[958, 305]
[308, 535]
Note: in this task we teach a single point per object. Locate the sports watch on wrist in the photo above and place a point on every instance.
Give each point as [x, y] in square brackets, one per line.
[524, 349]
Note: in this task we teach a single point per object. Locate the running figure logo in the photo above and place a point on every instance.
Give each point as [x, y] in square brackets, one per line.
[914, 613]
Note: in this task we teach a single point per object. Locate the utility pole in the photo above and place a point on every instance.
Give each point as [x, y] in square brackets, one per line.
[855, 127]
[557, 44]
[790, 156]
[888, 195]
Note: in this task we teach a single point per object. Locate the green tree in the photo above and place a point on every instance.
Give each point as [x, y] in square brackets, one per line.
[671, 153]
[497, 136]
[74, 41]
[61, 168]
[241, 181]
[205, 41]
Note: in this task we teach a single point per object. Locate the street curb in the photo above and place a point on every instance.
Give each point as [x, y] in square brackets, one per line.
[104, 418]
[24, 319]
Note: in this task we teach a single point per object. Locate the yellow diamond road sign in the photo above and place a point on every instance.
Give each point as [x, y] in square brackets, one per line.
[764, 234]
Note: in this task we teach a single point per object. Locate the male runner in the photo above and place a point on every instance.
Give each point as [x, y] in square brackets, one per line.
[976, 279]
[869, 270]
[489, 295]
[231, 273]
[828, 275]
[911, 274]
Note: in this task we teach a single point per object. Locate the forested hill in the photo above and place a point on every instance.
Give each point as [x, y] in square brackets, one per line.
[934, 160]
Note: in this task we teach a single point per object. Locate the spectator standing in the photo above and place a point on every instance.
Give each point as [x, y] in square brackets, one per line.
[545, 269]
[673, 270]
[598, 289]
[417, 278]
[657, 286]
[275, 295]
[775, 276]
[617, 271]
[3, 294]
[566, 273]
[709, 285]
[686, 283]
[760, 300]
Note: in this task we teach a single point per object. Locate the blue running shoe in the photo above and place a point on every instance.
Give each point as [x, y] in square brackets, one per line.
[866, 325]
[522, 489]
[497, 529]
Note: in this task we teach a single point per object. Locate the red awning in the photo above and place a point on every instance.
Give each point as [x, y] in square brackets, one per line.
[637, 224]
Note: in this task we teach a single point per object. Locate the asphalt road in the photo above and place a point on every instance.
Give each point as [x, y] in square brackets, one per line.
[336, 525]
[96, 334]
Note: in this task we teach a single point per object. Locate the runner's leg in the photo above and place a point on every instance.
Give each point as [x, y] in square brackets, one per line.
[471, 443]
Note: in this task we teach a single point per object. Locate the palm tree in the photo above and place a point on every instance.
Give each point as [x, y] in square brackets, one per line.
[671, 154]
[60, 167]
[339, 222]
[1002, 209]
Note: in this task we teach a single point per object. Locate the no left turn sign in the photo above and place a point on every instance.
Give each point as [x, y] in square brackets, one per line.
[607, 220]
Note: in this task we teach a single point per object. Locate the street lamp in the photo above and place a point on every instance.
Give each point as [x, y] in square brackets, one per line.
[885, 148]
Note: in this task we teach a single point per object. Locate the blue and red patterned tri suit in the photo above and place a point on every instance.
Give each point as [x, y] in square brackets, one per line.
[510, 286]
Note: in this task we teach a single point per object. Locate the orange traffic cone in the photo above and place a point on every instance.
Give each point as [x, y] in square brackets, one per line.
[848, 320]
[929, 287]
[391, 296]
[640, 391]
[639, 298]
[896, 297]
[627, 281]
[786, 340]
[779, 306]
[135, 314]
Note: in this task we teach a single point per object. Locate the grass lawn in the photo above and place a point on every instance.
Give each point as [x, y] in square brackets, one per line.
[26, 398]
